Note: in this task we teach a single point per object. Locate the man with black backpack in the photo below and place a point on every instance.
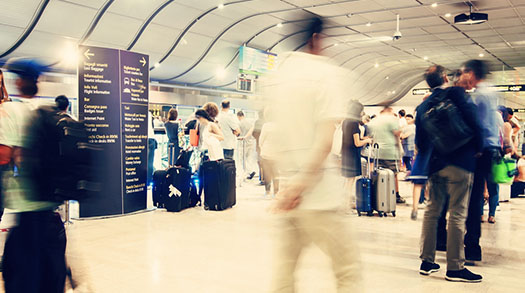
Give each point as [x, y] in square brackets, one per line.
[34, 253]
[450, 170]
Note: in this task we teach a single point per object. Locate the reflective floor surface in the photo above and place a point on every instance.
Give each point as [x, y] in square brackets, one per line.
[231, 251]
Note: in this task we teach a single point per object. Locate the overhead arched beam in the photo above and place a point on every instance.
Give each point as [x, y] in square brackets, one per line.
[95, 21]
[189, 26]
[36, 17]
[146, 23]
[208, 49]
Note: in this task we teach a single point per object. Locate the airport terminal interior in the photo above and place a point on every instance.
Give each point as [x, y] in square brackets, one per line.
[179, 103]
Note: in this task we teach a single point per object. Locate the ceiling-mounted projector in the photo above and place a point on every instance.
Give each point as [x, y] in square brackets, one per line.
[471, 18]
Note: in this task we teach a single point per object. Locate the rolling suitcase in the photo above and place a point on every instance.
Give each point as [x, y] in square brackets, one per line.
[218, 182]
[363, 189]
[178, 189]
[383, 188]
[160, 187]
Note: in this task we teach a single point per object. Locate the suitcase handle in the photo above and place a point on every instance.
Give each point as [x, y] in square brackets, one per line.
[376, 157]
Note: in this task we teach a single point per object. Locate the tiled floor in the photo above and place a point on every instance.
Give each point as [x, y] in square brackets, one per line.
[230, 251]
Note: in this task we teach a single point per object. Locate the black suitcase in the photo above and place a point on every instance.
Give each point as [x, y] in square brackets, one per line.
[178, 190]
[160, 187]
[218, 181]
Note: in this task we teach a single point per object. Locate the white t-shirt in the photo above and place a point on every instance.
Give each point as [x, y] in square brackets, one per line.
[304, 91]
[14, 117]
[402, 122]
[228, 123]
[212, 144]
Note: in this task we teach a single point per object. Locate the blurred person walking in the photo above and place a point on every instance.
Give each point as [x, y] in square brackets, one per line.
[34, 253]
[306, 99]
[3, 90]
[474, 74]
[230, 129]
[450, 176]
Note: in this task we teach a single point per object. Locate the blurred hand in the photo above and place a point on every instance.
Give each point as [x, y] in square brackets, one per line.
[289, 198]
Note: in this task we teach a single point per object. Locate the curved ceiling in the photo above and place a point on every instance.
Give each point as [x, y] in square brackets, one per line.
[188, 41]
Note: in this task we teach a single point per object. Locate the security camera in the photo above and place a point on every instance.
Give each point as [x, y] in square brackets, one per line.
[397, 36]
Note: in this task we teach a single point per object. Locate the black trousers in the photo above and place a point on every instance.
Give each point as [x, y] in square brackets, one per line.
[481, 175]
[34, 254]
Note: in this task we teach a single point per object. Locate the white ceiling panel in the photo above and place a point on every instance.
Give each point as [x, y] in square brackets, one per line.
[77, 18]
[91, 3]
[134, 8]
[17, 12]
[176, 16]
[360, 6]
[9, 35]
[115, 29]
[161, 36]
[265, 5]
[211, 25]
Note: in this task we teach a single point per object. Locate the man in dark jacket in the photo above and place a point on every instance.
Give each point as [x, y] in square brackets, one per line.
[450, 179]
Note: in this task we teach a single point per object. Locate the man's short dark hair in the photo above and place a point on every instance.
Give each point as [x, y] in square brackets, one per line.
[314, 26]
[240, 114]
[479, 67]
[434, 76]
[225, 104]
[401, 113]
[510, 111]
[410, 116]
[62, 102]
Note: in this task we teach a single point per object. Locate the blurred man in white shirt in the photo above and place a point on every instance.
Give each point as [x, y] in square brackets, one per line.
[230, 129]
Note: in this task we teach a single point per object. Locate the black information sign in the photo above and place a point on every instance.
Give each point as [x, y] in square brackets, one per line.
[510, 88]
[113, 100]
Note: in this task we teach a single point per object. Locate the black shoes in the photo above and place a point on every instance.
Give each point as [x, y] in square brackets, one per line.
[463, 276]
[399, 199]
[473, 254]
[250, 177]
[428, 268]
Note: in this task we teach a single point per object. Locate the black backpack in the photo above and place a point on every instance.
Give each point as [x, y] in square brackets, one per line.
[445, 126]
[62, 163]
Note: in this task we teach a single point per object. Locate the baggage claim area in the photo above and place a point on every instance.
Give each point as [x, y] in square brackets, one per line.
[184, 105]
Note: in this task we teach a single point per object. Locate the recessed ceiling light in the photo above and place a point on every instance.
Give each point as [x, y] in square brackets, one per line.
[434, 5]
[448, 15]
[157, 65]
[425, 58]
[220, 73]
[335, 45]
[393, 92]
[387, 77]
[376, 65]
[280, 24]
[481, 55]
[369, 24]
[221, 6]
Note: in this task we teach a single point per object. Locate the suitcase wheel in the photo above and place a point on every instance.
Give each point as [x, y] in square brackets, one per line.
[393, 214]
[380, 214]
[385, 215]
[370, 213]
[359, 214]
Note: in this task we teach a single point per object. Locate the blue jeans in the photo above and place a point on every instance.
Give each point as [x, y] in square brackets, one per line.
[493, 189]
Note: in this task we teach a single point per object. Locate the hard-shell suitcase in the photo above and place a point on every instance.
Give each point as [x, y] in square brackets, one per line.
[178, 190]
[383, 189]
[363, 190]
[218, 181]
[160, 187]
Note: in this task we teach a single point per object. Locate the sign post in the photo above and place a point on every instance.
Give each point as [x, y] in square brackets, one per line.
[113, 101]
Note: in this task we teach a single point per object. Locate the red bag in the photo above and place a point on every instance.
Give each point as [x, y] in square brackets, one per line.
[6, 153]
[194, 137]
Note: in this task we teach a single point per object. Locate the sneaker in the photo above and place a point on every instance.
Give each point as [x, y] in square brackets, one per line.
[492, 220]
[463, 275]
[428, 268]
[399, 199]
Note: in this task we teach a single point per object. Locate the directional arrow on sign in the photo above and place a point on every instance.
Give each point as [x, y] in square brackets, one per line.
[143, 61]
[88, 54]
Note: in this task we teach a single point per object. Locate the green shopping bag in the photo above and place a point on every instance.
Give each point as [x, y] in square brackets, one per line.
[504, 170]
